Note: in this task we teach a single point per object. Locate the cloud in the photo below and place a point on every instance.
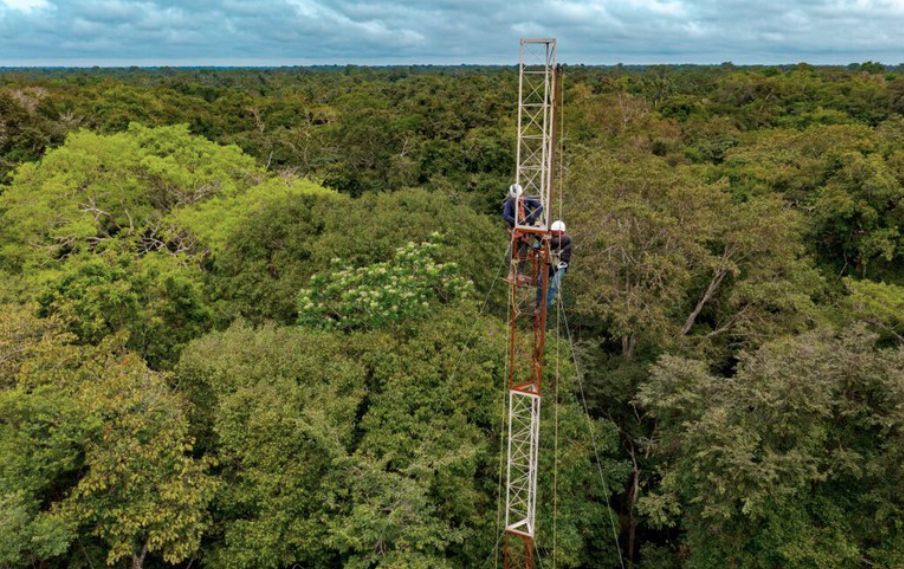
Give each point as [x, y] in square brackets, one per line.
[25, 5]
[237, 32]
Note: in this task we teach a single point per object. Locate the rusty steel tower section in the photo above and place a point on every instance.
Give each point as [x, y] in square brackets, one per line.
[527, 306]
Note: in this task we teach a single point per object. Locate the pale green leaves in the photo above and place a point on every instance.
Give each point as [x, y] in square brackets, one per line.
[880, 304]
[123, 186]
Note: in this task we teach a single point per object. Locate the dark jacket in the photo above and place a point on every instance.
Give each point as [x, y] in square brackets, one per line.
[532, 210]
[561, 246]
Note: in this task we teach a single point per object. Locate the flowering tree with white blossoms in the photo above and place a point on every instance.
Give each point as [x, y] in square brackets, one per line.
[403, 288]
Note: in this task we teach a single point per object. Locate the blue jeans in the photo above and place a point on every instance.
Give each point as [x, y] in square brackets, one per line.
[554, 283]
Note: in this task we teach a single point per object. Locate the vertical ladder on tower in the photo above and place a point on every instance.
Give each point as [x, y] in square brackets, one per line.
[527, 326]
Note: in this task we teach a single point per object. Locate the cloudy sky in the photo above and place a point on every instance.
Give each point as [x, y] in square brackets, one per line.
[283, 32]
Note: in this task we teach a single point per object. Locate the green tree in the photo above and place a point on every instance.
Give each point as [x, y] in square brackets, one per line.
[376, 448]
[847, 179]
[666, 257]
[94, 445]
[119, 187]
[879, 304]
[41, 437]
[142, 491]
[24, 131]
[406, 287]
[791, 462]
[155, 298]
[280, 245]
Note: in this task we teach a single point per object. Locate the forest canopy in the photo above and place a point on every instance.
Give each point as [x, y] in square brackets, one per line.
[251, 318]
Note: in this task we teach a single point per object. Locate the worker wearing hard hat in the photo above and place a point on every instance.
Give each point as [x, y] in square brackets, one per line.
[520, 210]
[528, 209]
[560, 247]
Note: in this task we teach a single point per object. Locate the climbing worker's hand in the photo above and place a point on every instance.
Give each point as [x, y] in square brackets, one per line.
[562, 265]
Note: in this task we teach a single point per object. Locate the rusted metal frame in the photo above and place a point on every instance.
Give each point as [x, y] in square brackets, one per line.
[520, 559]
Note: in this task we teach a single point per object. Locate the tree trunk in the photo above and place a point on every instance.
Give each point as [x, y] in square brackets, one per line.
[628, 345]
[633, 493]
[707, 295]
[138, 560]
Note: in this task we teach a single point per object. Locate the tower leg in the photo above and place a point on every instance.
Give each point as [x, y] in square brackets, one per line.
[519, 551]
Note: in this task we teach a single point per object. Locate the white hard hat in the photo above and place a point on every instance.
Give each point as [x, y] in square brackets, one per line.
[558, 225]
[515, 190]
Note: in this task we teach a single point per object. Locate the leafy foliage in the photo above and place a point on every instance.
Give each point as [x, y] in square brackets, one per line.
[118, 187]
[790, 462]
[281, 245]
[143, 492]
[344, 453]
[160, 233]
[668, 257]
[94, 444]
[404, 288]
[879, 304]
[154, 298]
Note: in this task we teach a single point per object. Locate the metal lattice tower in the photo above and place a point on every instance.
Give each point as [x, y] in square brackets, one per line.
[536, 88]
[530, 250]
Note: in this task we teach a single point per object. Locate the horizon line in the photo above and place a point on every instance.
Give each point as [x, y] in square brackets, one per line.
[296, 65]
